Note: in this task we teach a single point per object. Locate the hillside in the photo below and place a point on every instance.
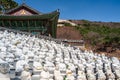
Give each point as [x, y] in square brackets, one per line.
[98, 36]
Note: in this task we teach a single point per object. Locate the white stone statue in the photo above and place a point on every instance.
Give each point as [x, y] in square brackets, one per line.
[26, 75]
[45, 75]
[57, 74]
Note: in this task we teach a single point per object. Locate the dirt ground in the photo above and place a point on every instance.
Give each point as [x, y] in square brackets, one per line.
[68, 33]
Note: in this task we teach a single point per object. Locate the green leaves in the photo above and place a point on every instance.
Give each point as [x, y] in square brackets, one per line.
[7, 5]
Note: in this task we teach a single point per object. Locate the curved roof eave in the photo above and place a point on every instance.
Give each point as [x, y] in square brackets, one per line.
[23, 5]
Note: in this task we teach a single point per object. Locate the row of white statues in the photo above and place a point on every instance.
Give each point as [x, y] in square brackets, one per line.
[49, 60]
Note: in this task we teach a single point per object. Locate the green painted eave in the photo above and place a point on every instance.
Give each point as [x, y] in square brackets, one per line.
[43, 16]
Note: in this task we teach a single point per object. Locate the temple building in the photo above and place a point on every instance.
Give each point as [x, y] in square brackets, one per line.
[25, 18]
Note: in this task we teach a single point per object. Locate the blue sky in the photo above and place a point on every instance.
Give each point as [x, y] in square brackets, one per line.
[93, 10]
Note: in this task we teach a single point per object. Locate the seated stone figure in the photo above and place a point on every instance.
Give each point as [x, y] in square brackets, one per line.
[100, 74]
[81, 75]
[90, 75]
[45, 75]
[57, 74]
[26, 75]
[109, 73]
[69, 74]
[4, 68]
[20, 64]
[116, 69]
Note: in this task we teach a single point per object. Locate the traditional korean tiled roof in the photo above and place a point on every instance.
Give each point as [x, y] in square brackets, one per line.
[42, 16]
[23, 6]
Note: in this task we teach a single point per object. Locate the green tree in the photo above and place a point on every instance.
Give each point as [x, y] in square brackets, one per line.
[7, 5]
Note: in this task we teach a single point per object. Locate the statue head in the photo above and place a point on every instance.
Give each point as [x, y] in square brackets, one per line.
[4, 68]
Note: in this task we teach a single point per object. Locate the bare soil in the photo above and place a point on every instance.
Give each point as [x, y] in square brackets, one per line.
[67, 32]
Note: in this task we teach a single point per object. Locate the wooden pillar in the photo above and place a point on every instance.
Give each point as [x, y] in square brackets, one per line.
[3, 23]
[28, 26]
[10, 23]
